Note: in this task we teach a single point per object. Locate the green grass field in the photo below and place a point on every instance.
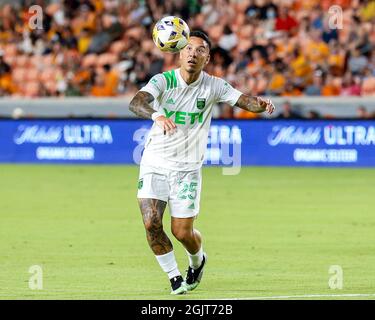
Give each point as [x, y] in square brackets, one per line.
[268, 232]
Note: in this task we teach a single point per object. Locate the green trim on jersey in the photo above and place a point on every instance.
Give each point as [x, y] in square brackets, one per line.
[171, 78]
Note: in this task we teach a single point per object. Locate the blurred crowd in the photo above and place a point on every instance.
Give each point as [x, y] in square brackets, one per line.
[263, 47]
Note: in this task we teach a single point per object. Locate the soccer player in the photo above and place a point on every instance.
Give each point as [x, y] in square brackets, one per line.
[180, 103]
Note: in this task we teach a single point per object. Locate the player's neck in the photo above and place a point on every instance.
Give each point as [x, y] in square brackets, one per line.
[189, 77]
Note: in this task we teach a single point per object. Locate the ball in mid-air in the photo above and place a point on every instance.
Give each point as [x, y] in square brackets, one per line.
[171, 34]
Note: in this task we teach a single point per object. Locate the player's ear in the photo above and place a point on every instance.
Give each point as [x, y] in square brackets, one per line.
[207, 60]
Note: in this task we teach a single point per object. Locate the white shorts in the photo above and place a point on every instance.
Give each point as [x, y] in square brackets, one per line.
[181, 189]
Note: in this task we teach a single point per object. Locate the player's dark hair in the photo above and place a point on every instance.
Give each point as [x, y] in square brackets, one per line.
[202, 35]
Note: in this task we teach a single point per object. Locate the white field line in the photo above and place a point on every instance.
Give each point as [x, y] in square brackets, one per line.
[348, 295]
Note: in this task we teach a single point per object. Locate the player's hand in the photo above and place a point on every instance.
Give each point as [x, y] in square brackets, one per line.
[167, 125]
[266, 104]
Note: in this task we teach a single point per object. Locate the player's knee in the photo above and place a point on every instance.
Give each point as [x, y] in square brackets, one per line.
[182, 235]
[153, 225]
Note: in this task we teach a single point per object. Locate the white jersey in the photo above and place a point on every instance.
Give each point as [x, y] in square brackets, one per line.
[190, 107]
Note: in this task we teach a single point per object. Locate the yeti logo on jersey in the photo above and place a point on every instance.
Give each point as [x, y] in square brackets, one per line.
[140, 184]
[201, 103]
[181, 117]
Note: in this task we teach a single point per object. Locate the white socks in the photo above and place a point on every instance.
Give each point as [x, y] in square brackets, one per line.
[168, 264]
[195, 260]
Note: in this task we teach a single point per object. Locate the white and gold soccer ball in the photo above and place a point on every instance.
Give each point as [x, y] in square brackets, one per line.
[171, 34]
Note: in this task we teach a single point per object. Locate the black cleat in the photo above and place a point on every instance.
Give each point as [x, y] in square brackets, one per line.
[194, 276]
[178, 285]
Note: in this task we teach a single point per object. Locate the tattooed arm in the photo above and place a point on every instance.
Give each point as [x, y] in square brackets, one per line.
[255, 104]
[140, 105]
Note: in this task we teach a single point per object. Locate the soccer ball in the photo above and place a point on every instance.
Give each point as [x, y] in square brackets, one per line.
[171, 34]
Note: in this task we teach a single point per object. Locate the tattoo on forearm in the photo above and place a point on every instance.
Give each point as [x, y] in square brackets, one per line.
[249, 103]
[140, 105]
[152, 212]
